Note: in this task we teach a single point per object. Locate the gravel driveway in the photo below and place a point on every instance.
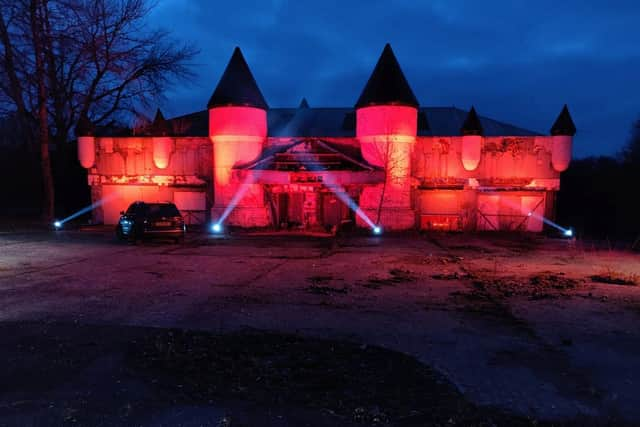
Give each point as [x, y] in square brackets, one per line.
[539, 328]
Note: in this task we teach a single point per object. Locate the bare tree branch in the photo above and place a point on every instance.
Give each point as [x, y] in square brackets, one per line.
[62, 59]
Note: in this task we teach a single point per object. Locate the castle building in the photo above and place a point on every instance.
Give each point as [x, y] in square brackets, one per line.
[401, 165]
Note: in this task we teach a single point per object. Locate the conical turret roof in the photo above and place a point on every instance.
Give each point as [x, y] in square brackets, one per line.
[471, 125]
[160, 126]
[303, 103]
[237, 86]
[564, 123]
[387, 84]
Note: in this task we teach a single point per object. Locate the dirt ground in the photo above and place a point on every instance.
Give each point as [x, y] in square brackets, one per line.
[511, 329]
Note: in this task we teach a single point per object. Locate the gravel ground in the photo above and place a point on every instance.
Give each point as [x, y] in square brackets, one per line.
[534, 328]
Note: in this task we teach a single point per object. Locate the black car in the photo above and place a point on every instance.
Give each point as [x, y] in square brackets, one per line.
[144, 219]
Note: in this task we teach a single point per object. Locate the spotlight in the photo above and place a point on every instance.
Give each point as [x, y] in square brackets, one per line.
[568, 232]
[377, 230]
[57, 224]
[529, 214]
[216, 228]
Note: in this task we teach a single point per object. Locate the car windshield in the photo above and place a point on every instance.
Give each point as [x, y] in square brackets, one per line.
[165, 209]
[135, 208]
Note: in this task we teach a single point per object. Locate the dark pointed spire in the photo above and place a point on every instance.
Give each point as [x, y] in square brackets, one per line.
[160, 126]
[237, 86]
[85, 127]
[387, 84]
[471, 125]
[303, 103]
[564, 123]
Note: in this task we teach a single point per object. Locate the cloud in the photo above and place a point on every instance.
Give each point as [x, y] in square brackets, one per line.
[517, 61]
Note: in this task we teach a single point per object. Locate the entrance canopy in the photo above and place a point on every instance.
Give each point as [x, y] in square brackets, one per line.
[310, 154]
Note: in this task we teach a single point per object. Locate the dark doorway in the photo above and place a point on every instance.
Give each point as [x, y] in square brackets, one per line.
[282, 203]
[334, 211]
[290, 209]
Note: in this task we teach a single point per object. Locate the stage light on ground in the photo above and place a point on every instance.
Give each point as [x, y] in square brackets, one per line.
[216, 228]
[59, 223]
[566, 232]
[377, 230]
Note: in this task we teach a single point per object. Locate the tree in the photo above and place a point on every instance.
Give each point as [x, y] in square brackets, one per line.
[395, 158]
[66, 59]
[40, 34]
[631, 152]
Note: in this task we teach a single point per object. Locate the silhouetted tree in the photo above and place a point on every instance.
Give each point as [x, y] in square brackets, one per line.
[64, 59]
[598, 195]
[631, 152]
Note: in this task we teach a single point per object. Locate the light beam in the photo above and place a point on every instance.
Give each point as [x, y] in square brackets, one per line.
[250, 178]
[59, 223]
[330, 183]
[567, 232]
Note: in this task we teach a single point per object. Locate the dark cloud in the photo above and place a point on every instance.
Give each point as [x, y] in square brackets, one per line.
[517, 61]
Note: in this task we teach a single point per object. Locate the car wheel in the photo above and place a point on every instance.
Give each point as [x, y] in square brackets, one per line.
[136, 236]
[119, 234]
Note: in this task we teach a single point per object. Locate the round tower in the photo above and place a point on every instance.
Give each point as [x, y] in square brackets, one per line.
[162, 141]
[238, 131]
[386, 127]
[237, 118]
[85, 131]
[562, 133]
[471, 141]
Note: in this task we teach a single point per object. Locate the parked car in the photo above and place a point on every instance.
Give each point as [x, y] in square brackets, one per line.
[142, 220]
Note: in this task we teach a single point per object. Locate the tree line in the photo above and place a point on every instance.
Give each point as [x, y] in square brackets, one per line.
[599, 196]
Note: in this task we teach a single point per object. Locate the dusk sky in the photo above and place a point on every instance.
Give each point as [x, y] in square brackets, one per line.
[515, 61]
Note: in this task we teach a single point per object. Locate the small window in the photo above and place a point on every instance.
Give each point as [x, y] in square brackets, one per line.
[135, 208]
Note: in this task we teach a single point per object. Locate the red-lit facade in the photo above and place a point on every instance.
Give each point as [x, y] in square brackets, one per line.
[405, 166]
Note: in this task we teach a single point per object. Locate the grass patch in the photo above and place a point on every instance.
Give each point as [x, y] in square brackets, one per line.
[357, 384]
[450, 276]
[325, 290]
[396, 275]
[538, 286]
[319, 280]
[319, 286]
[616, 278]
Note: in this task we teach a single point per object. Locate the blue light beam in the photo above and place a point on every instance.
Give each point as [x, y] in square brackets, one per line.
[59, 223]
[250, 178]
[330, 183]
[565, 231]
